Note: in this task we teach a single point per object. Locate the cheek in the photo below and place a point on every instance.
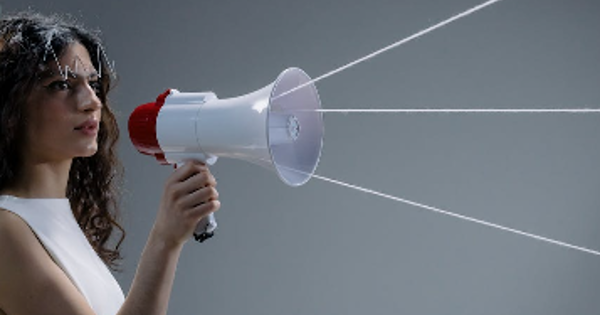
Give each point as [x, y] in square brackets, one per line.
[46, 124]
[46, 121]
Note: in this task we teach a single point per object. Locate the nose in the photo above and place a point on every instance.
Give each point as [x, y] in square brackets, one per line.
[88, 100]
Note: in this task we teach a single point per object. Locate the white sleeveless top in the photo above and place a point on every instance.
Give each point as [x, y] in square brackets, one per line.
[54, 224]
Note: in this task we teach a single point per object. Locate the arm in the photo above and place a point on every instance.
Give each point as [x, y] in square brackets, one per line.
[188, 197]
[151, 287]
[31, 283]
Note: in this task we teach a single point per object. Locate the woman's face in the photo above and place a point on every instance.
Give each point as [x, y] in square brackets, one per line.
[63, 112]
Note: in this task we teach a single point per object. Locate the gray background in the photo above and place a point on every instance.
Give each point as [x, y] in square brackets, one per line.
[326, 249]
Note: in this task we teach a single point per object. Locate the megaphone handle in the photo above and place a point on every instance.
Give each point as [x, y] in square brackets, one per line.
[206, 227]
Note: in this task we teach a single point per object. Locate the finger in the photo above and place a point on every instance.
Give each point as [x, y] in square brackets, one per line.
[195, 182]
[199, 196]
[204, 209]
[212, 179]
[192, 184]
[186, 171]
[208, 179]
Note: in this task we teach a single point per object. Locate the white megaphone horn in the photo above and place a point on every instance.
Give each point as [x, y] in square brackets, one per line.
[278, 127]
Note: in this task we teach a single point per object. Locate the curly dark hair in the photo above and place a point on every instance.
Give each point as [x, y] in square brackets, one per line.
[29, 42]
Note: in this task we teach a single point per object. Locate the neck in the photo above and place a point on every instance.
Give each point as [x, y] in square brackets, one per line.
[41, 180]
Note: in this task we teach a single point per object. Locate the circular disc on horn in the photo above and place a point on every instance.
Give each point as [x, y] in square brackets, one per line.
[295, 127]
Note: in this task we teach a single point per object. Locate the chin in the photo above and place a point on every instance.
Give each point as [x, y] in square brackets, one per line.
[88, 152]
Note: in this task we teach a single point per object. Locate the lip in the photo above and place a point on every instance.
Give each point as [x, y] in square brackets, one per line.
[88, 127]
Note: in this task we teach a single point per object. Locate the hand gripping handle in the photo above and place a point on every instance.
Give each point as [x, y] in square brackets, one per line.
[206, 227]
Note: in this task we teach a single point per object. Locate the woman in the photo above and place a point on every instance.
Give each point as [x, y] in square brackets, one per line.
[58, 175]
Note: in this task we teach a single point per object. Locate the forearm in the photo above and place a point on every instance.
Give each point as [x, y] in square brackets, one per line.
[153, 282]
[188, 197]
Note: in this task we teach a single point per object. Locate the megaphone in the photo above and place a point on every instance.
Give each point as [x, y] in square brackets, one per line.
[278, 127]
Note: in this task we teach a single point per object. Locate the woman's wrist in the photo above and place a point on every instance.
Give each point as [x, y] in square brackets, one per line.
[158, 242]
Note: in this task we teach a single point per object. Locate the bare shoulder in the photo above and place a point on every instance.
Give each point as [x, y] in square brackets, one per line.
[16, 239]
[31, 282]
[13, 231]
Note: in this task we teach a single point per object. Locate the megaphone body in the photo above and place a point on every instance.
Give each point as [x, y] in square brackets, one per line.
[278, 127]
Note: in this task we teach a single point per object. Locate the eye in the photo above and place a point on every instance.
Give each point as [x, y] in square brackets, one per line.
[59, 85]
[96, 86]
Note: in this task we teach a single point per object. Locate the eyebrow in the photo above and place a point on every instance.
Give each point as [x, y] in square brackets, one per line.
[48, 73]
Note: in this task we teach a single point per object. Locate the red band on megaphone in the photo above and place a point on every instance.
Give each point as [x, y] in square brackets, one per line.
[142, 128]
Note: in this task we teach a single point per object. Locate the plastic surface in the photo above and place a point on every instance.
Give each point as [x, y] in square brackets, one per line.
[277, 127]
[282, 133]
[177, 127]
[142, 128]
[294, 101]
